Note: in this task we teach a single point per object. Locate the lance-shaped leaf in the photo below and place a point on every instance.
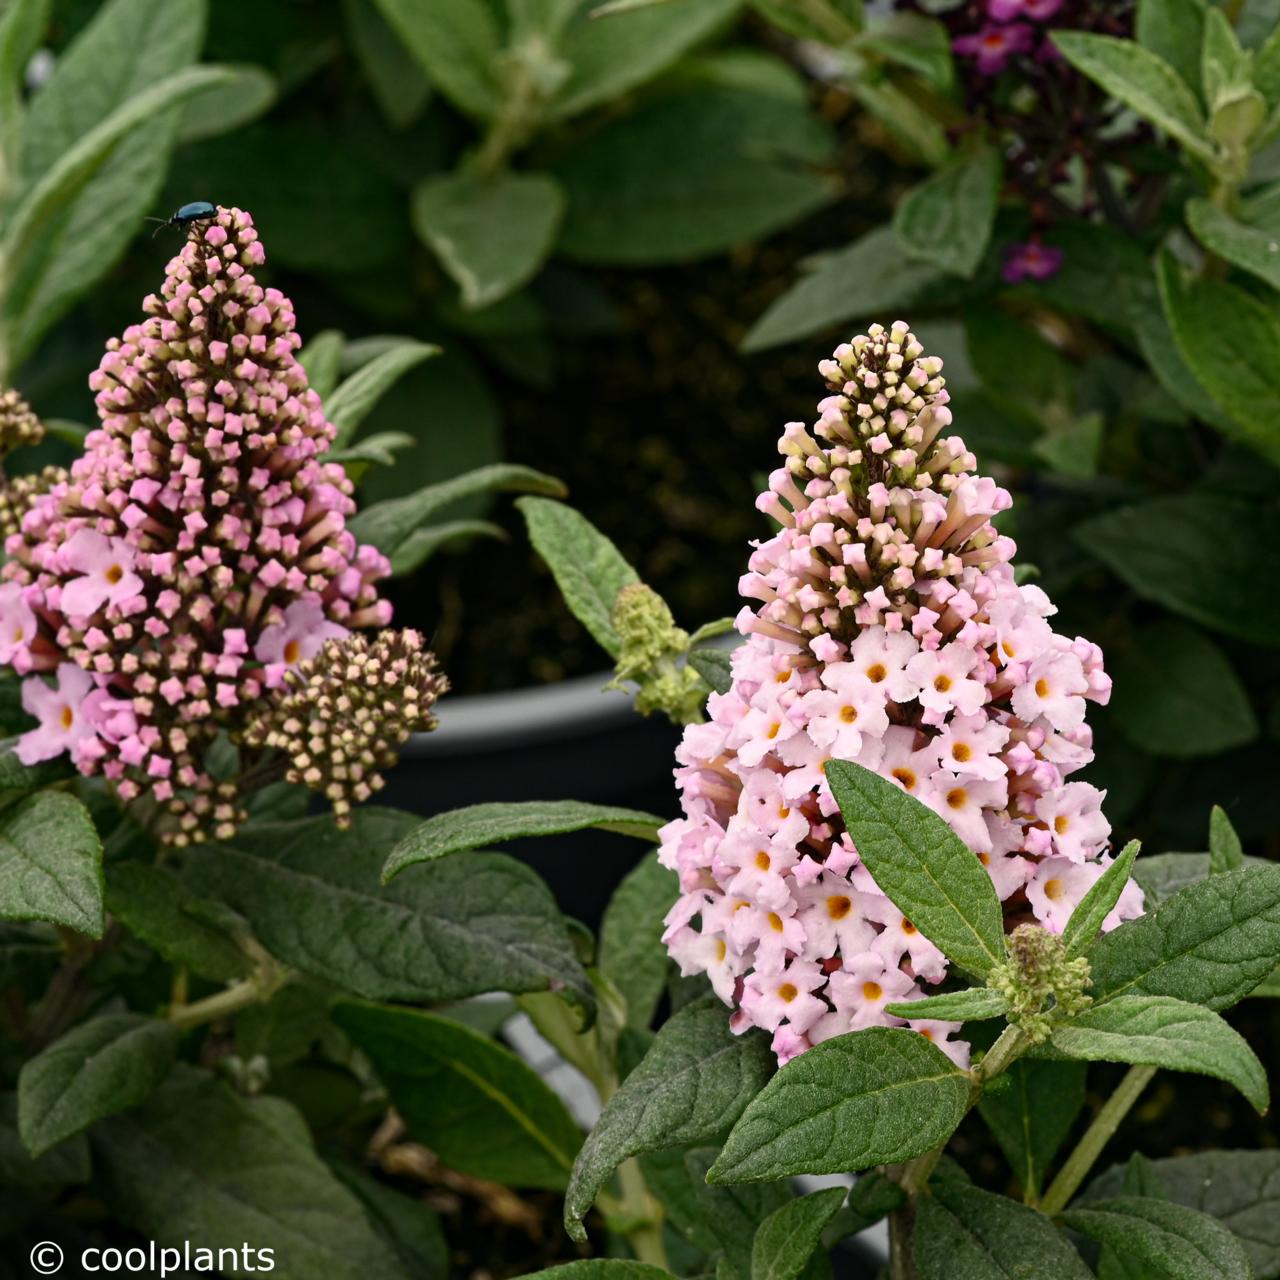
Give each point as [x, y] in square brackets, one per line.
[474, 1103]
[870, 1097]
[450, 930]
[690, 1087]
[1225, 850]
[348, 406]
[1158, 1031]
[481, 825]
[964, 1232]
[630, 953]
[587, 567]
[1178, 1242]
[387, 524]
[1212, 942]
[933, 878]
[1096, 905]
[972, 1005]
[947, 220]
[786, 1239]
[98, 1068]
[51, 863]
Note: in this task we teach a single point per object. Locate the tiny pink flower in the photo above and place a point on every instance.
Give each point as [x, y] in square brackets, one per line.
[59, 708]
[17, 623]
[1073, 815]
[993, 46]
[1057, 886]
[771, 997]
[1031, 261]
[939, 1034]
[943, 676]
[863, 987]
[106, 568]
[1010, 10]
[301, 635]
[1054, 688]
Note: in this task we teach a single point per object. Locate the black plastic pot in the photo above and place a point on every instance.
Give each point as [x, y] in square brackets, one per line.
[570, 740]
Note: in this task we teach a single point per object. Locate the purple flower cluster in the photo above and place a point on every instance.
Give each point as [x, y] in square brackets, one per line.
[197, 550]
[889, 630]
[1007, 33]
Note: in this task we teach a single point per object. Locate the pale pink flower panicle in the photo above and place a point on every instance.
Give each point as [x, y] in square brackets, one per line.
[886, 628]
[197, 549]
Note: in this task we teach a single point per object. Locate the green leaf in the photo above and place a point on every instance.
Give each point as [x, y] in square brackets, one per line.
[406, 1224]
[348, 406]
[98, 1068]
[1161, 875]
[1172, 30]
[1224, 66]
[17, 778]
[1177, 695]
[480, 825]
[1225, 851]
[456, 42]
[1252, 249]
[239, 102]
[1179, 1242]
[947, 220]
[379, 449]
[1266, 69]
[388, 524]
[1212, 942]
[785, 1240]
[913, 41]
[474, 1103]
[870, 1097]
[422, 544]
[690, 1087]
[631, 954]
[1240, 1189]
[154, 905]
[1082, 928]
[1241, 376]
[609, 58]
[587, 567]
[321, 357]
[1141, 80]
[693, 173]
[602, 1269]
[732, 1215]
[963, 1233]
[871, 276]
[714, 666]
[51, 863]
[872, 1199]
[28, 1183]
[197, 1162]
[450, 930]
[492, 235]
[972, 1005]
[390, 71]
[1200, 555]
[1033, 1114]
[46, 199]
[1159, 1031]
[129, 46]
[933, 878]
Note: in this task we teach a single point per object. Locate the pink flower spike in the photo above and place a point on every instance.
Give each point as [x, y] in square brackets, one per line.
[58, 708]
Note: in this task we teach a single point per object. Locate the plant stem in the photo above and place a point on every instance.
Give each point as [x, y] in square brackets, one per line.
[1007, 1047]
[637, 1203]
[1099, 1133]
[240, 995]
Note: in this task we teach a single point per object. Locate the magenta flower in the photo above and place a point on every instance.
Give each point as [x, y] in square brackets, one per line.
[1012, 10]
[1031, 261]
[887, 629]
[993, 46]
[196, 549]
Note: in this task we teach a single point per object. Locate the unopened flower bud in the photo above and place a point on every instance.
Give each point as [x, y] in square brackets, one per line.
[1039, 983]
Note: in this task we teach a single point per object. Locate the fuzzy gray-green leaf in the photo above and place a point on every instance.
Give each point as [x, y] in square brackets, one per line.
[870, 1097]
[1212, 942]
[1159, 1031]
[1095, 906]
[786, 1239]
[933, 878]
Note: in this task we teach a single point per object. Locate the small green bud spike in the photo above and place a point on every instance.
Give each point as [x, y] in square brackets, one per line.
[1039, 983]
[652, 647]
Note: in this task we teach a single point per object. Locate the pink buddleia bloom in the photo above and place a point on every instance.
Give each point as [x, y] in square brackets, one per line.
[59, 709]
[993, 46]
[1033, 260]
[202, 528]
[887, 628]
[1011, 10]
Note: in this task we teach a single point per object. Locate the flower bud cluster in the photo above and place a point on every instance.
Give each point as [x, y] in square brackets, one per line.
[19, 426]
[651, 654]
[888, 630]
[345, 712]
[196, 551]
[1039, 983]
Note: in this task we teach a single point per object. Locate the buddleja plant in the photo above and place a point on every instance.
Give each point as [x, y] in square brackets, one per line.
[904, 909]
